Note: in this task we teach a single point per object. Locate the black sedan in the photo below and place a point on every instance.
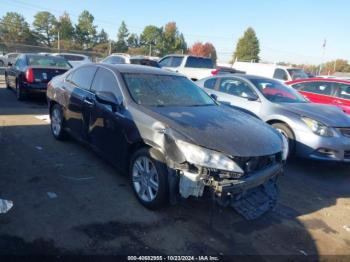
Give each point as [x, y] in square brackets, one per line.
[169, 136]
[31, 73]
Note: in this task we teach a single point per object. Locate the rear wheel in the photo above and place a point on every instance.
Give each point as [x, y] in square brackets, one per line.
[57, 127]
[7, 82]
[149, 179]
[288, 133]
[20, 94]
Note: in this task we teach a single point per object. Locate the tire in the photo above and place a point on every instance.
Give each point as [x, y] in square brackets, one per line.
[20, 94]
[7, 83]
[285, 130]
[57, 122]
[150, 188]
[2, 64]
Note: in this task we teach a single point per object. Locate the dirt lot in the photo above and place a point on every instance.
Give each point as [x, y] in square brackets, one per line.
[93, 210]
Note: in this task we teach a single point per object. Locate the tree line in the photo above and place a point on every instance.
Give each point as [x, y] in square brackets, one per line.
[51, 32]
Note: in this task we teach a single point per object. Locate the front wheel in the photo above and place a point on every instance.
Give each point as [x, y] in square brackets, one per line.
[149, 179]
[288, 133]
[56, 117]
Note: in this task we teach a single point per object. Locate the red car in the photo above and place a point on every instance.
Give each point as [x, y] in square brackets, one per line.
[325, 91]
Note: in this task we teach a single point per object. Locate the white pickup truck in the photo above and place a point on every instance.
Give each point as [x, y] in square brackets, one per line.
[193, 67]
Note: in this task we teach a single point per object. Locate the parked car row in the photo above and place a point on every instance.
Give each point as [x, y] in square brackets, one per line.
[226, 135]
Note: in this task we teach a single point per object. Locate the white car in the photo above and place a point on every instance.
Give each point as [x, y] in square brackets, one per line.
[194, 67]
[117, 58]
[280, 73]
[74, 59]
[8, 58]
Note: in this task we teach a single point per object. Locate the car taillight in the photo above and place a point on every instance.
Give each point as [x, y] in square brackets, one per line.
[30, 75]
[214, 72]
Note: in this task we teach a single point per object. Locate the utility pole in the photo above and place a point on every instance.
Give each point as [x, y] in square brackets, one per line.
[58, 41]
[110, 47]
[150, 50]
[323, 52]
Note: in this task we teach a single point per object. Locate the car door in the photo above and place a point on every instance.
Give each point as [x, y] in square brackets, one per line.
[13, 71]
[78, 86]
[342, 96]
[239, 93]
[172, 63]
[209, 85]
[317, 91]
[106, 121]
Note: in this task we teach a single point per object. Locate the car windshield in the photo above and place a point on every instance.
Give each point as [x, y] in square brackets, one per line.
[48, 61]
[277, 92]
[165, 90]
[297, 74]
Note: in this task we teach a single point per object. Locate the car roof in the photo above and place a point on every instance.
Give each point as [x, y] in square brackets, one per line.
[246, 76]
[139, 69]
[317, 79]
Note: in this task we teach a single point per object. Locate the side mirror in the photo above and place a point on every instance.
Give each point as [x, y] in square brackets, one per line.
[108, 98]
[215, 97]
[250, 97]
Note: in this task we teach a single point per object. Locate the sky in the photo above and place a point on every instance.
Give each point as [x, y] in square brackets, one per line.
[291, 31]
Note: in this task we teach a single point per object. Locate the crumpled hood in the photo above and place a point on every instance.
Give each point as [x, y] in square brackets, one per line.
[327, 114]
[221, 129]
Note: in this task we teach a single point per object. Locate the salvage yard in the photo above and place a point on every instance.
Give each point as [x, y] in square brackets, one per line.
[67, 200]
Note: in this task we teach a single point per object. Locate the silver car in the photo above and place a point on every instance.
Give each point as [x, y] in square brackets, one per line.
[314, 131]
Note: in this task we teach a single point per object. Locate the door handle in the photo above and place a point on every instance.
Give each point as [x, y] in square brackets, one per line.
[88, 102]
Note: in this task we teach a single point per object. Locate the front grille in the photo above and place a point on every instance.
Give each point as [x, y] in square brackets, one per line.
[253, 164]
[347, 154]
[345, 131]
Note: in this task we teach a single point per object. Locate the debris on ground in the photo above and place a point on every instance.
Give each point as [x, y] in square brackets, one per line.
[39, 147]
[52, 195]
[347, 227]
[5, 205]
[257, 201]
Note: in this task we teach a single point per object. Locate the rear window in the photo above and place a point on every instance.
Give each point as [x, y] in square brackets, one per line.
[73, 57]
[47, 61]
[145, 62]
[199, 62]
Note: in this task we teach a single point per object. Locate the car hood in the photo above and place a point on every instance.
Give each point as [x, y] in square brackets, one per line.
[327, 114]
[221, 129]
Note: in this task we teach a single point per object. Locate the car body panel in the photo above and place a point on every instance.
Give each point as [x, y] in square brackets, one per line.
[115, 130]
[332, 99]
[307, 143]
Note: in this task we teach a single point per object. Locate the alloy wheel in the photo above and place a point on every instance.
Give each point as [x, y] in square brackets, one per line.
[145, 178]
[56, 121]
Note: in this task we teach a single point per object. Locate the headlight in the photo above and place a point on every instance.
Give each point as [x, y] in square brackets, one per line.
[285, 146]
[317, 127]
[207, 158]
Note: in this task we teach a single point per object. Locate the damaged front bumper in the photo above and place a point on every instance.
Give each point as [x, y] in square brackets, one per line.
[251, 195]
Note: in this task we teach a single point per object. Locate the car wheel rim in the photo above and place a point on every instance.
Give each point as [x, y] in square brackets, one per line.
[145, 179]
[56, 122]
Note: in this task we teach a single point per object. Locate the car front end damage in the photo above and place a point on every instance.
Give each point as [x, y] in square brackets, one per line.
[247, 184]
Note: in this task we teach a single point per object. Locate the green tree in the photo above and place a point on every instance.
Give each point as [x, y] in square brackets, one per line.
[151, 36]
[102, 37]
[173, 40]
[14, 28]
[123, 33]
[65, 27]
[247, 48]
[45, 27]
[133, 41]
[85, 30]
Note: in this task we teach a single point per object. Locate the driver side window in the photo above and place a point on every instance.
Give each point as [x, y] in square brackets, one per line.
[236, 87]
[105, 81]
